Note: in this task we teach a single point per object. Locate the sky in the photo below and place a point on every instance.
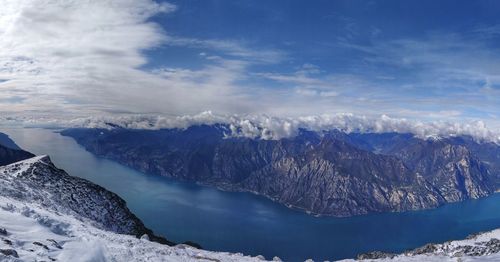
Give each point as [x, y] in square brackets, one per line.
[417, 60]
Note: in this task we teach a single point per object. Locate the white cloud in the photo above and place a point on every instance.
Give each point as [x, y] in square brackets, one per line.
[232, 48]
[53, 51]
[84, 57]
[272, 128]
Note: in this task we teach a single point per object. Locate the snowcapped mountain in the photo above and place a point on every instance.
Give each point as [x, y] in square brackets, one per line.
[47, 215]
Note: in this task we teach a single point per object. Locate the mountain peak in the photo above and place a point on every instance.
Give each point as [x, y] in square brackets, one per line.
[18, 168]
[43, 159]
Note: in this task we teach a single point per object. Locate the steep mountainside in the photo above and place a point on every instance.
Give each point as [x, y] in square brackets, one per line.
[9, 155]
[7, 142]
[489, 153]
[327, 173]
[38, 181]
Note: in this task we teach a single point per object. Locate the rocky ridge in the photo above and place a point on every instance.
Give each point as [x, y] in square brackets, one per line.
[327, 173]
[478, 247]
[37, 180]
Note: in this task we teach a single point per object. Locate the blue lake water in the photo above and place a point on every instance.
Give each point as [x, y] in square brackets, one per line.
[243, 222]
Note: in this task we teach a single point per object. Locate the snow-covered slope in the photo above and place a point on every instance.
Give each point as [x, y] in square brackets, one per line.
[34, 233]
[47, 215]
[37, 180]
[480, 247]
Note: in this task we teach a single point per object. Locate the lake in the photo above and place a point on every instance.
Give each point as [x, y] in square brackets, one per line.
[253, 225]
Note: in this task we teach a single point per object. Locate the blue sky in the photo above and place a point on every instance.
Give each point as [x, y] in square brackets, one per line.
[427, 60]
[421, 56]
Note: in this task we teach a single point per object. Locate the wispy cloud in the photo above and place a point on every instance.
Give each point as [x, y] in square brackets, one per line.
[231, 48]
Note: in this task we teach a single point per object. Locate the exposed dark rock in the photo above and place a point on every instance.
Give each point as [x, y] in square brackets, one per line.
[375, 255]
[41, 245]
[428, 248]
[7, 241]
[54, 243]
[9, 252]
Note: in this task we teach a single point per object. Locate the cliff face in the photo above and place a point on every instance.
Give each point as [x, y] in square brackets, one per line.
[328, 173]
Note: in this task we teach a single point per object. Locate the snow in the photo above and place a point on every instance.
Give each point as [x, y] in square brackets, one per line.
[41, 226]
[452, 251]
[23, 166]
[27, 224]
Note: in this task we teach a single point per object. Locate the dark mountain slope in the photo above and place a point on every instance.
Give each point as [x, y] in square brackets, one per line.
[9, 155]
[7, 142]
[329, 173]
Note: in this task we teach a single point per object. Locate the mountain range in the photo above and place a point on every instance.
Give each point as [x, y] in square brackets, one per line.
[323, 173]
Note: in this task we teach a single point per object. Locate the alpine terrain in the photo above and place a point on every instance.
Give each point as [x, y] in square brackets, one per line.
[323, 173]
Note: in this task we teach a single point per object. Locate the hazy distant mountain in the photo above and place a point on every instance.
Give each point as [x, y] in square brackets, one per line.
[7, 142]
[328, 173]
[9, 155]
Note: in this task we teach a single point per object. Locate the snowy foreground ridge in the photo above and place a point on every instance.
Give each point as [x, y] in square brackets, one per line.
[480, 247]
[35, 226]
[34, 234]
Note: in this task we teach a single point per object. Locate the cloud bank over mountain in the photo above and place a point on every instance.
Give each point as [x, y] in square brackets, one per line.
[268, 127]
